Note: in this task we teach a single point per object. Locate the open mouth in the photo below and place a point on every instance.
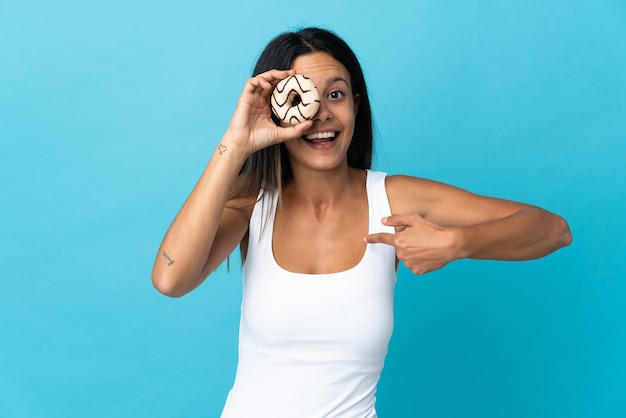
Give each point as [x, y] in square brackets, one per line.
[319, 138]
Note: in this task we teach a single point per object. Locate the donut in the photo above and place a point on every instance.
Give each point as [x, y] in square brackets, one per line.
[295, 99]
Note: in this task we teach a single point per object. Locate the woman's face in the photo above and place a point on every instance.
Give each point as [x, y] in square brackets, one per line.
[325, 144]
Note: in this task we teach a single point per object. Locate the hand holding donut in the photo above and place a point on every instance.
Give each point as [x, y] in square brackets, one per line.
[251, 127]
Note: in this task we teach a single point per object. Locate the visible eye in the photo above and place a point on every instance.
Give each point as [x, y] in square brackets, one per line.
[336, 95]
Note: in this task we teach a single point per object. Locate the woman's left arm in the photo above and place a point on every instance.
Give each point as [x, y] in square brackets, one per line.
[437, 223]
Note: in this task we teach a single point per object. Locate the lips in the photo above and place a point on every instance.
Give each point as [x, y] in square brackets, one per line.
[320, 137]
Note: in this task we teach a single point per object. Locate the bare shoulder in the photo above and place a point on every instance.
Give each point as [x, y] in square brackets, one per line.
[443, 203]
[409, 194]
[241, 207]
[235, 220]
[232, 231]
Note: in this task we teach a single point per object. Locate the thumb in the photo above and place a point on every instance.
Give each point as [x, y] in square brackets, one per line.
[295, 131]
[399, 220]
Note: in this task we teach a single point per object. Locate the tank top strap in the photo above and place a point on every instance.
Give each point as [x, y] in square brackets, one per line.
[262, 219]
[378, 201]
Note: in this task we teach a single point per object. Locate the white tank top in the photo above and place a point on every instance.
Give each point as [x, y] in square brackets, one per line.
[313, 345]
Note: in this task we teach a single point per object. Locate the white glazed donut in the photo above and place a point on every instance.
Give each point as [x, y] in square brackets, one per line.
[295, 99]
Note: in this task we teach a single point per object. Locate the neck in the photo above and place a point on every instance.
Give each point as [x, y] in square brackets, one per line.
[323, 188]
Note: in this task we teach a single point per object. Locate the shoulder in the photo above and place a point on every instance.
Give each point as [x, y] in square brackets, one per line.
[444, 204]
[427, 198]
[242, 207]
[409, 194]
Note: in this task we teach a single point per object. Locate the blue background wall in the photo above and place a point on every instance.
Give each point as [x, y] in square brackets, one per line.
[110, 110]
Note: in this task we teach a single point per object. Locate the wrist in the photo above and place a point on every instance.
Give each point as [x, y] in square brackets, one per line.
[230, 148]
[460, 240]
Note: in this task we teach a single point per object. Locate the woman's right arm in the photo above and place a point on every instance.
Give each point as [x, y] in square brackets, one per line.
[205, 231]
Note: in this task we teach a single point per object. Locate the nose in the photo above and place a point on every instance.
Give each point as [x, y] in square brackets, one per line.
[323, 113]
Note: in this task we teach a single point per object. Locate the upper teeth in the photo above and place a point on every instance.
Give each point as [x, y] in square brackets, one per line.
[319, 135]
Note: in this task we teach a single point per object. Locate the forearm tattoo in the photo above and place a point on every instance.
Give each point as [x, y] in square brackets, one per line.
[168, 258]
[221, 149]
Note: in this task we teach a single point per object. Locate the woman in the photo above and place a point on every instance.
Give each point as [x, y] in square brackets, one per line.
[321, 236]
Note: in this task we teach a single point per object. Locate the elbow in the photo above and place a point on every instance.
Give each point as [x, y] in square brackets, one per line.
[567, 235]
[167, 285]
[563, 233]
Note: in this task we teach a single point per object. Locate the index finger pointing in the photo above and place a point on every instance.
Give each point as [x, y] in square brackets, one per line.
[379, 238]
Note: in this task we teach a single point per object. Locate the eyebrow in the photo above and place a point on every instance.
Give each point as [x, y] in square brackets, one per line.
[335, 79]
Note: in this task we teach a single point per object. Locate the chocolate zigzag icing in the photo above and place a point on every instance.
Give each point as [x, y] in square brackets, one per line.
[288, 91]
[287, 97]
[293, 77]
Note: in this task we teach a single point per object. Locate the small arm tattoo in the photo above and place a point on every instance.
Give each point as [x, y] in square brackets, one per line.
[221, 149]
[169, 259]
